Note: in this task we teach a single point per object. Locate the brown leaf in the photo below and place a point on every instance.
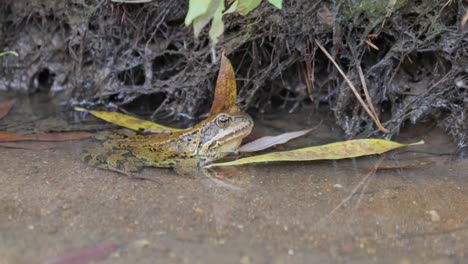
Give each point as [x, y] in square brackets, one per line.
[5, 107]
[225, 91]
[58, 136]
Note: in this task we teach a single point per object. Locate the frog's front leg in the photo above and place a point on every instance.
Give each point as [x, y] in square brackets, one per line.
[186, 166]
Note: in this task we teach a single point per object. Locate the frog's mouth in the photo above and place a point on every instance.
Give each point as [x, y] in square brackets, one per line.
[231, 142]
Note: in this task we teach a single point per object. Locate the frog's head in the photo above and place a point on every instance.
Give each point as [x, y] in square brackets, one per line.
[223, 133]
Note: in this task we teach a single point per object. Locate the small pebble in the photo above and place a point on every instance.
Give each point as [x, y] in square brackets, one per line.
[435, 217]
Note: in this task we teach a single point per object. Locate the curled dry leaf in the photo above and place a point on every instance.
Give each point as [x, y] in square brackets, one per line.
[334, 151]
[225, 91]
[130, 122]
[269, 141]
[56, 136]
[5, 107]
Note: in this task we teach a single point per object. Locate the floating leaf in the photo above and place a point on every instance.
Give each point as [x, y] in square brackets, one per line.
[333, 151]
[129, 121]
[225, 91]
[5, 107]
[269, 141]
[56, 136]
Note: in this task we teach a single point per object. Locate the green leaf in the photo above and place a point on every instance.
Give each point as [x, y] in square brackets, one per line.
[201, 21]
[217, 26]
[277, 3]
[334, 151]
[196, 8]
[245, 6]
[232, 8]
[129, 121]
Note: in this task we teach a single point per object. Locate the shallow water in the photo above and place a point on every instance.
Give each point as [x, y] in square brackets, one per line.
[51, 203]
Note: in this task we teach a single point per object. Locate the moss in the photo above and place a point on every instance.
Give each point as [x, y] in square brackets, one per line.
[370, 9]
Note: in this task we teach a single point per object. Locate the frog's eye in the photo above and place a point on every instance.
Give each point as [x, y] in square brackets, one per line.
[223, 121]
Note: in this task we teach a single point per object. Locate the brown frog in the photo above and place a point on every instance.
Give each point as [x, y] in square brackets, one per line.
[210, 140]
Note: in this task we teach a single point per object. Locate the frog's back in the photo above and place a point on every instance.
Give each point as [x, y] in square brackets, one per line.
[160, 150]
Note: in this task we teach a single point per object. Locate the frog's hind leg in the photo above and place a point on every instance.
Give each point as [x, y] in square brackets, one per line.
[95, 157]
[117, 162]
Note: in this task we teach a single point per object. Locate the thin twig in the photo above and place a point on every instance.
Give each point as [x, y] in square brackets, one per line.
[353, 89]
[369, 100]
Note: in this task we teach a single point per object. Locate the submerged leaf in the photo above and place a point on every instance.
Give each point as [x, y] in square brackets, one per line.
[85, 255]
[56, 136]
[5, 107]
[269, 141]
[334, 151]
[129, 121]
[225, 91]
[401, 166]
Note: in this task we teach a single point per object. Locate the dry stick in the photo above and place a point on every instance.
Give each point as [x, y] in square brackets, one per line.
[369, 100]
[358, 97]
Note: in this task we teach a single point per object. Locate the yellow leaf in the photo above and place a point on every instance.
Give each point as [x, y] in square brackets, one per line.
[333, 151]
[225, 91]
[129, 121]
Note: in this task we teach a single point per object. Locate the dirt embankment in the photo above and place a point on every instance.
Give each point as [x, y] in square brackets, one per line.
[413, 54]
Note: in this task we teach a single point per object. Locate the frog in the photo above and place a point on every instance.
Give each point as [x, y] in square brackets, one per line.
[212, 139]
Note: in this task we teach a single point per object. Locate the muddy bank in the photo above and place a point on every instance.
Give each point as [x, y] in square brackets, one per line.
[141, 57]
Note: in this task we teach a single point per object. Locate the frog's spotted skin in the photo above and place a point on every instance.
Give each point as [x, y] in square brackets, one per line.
[212, 139]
